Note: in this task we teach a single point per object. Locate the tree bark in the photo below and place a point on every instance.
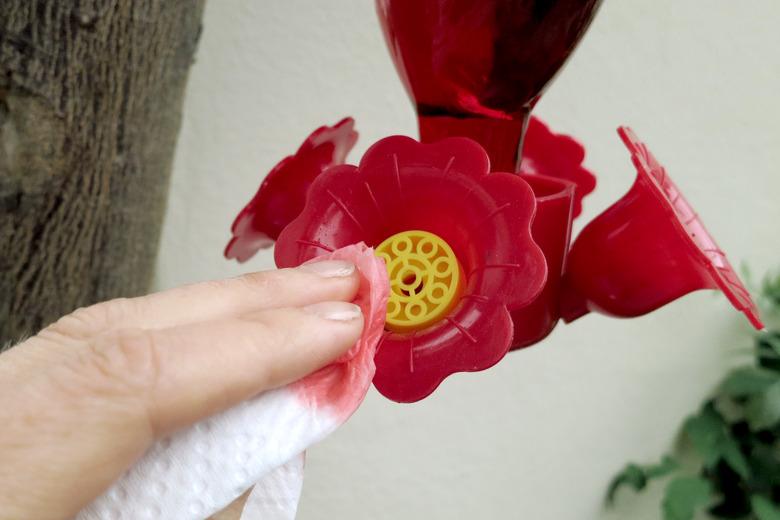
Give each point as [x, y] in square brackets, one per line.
[90, 106]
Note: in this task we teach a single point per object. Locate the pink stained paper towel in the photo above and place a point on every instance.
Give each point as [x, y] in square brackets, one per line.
[198, 471]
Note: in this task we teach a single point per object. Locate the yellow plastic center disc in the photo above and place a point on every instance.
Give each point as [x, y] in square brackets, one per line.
[425, 279]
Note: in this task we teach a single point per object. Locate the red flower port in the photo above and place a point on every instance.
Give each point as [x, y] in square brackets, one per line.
[457, 242]
[713, 258]
[282, 194]
[647, 249]
[557, 155]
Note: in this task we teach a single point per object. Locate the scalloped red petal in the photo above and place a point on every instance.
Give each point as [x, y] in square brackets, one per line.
[282, 194]
[559, 156]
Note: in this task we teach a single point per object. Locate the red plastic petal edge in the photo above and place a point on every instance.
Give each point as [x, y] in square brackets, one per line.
[411, 367]
[282, 194]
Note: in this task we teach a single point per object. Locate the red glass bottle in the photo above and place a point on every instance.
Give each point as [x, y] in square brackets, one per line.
[475, 68]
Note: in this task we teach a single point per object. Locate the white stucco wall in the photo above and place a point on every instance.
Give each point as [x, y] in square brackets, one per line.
[539, 436]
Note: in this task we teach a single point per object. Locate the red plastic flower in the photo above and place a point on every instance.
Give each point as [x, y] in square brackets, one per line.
[282, 194]
[646, 250]
[414, 202]
[557, 155]
[712, 258]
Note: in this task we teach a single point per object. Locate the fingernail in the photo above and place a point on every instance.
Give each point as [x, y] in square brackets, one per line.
[330, 268]
[335, 311]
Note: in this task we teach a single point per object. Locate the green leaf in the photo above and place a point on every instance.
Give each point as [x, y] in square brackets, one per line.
[764, 509]
[731, 409]
[712, 440]
[735, 458]
[763, 410]
[685, 496]
[631, 476]
[748, 381]
[705, 431]
[771, 340]
[665, 467]
[637, 477]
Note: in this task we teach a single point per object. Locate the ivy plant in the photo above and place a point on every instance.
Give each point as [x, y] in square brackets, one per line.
[728, 463]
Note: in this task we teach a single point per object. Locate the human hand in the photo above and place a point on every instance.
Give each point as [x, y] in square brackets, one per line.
[84, 399]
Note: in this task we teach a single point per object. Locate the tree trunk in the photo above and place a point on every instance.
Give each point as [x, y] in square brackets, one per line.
[90, 106]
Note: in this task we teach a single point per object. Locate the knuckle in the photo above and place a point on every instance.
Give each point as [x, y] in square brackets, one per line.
[126, 361]
[80, 322]
[275, 339]
[85, 321]
[264, 287]
[260, 338]
[263, 281]
[215, 286]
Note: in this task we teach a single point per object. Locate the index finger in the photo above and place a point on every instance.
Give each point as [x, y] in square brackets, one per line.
[329, 280]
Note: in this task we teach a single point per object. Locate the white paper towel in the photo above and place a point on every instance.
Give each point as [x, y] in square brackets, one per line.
[198, 471]
[276, 496]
